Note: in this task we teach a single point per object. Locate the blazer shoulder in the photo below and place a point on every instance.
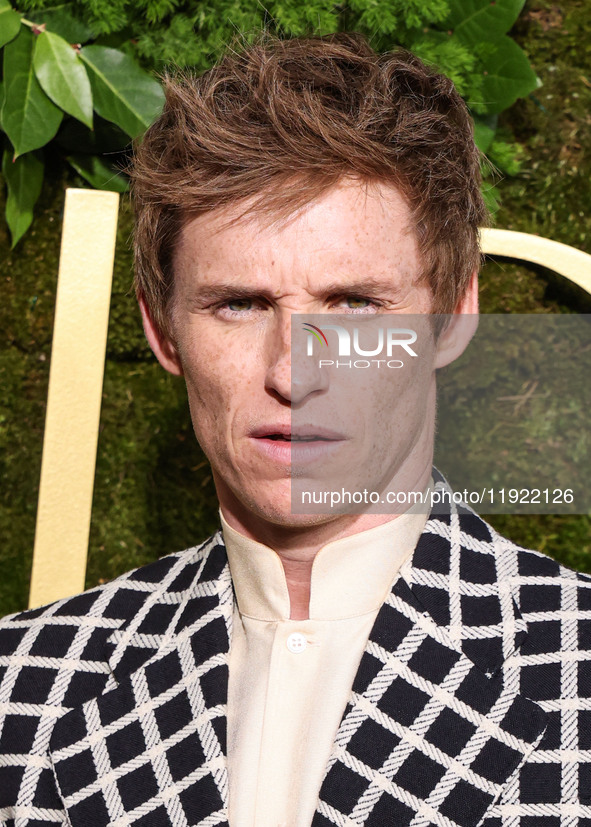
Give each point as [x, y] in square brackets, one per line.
[523, 563]
[483, 557]
[76, 629]
[137, 579]
[537, 567]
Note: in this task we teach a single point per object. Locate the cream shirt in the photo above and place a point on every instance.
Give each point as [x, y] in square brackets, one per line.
[290, 679]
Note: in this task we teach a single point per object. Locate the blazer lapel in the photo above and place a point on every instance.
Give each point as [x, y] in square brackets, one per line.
[434, 729]
[152, 749]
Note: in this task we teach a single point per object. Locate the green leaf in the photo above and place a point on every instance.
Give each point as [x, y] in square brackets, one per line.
[10, 22]
[478, 20]
[60, 20]
[63, 77]
[507, 75]
[94, 170]
[29, 118]
[122, 91]
[484, 131]
[23, 180]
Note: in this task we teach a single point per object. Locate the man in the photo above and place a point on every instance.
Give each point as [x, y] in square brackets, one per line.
[301, 669]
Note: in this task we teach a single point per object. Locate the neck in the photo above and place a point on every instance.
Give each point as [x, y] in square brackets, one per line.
[298, 544]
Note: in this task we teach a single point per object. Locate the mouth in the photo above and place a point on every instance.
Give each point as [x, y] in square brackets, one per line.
[294, 438]
[295, 448]
[308, 433]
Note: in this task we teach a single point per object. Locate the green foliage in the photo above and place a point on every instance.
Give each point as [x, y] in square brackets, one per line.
[98, 174]
[10, 23]
[484, 131]
[49, 81]
[460, 61]
[480, 20]
[507, 76]
[46, 81]
[29, 117]
[59, 19]
[503, 155]
[117, 43]
[24, 177]
[62, 76]
[122, 92]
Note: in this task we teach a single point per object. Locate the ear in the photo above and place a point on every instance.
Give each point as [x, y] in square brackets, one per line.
[454, 340]
[164, 350]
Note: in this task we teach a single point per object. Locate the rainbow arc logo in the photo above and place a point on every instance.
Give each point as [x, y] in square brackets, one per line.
[315, 331]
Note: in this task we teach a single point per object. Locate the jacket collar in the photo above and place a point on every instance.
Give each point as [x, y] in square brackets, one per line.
[432, 668]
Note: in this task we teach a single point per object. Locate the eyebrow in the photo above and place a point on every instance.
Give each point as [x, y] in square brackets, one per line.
[364, 285]
[224, 291]
[220, 292]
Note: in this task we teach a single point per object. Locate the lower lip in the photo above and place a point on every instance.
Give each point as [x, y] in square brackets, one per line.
[297, 452]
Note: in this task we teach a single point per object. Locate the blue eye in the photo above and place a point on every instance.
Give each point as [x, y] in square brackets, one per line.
[239, 305]
[356, 302]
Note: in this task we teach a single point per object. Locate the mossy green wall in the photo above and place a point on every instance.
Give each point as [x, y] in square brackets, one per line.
[153, 491]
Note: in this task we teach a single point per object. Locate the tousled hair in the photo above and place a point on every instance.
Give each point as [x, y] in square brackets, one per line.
[278, 123]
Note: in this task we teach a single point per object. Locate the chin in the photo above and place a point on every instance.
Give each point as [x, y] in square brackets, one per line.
[275, 509]
[280, 514]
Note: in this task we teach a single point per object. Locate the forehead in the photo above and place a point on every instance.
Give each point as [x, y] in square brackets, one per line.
[354, 230]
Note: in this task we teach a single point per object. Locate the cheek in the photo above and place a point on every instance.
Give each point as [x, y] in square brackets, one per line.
[210, 402]
[221, 385]
[401, 399]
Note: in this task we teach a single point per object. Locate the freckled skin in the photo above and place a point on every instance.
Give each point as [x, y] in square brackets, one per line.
[236, 288]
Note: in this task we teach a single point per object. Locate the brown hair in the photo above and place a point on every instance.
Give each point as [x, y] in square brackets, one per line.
[307, 112]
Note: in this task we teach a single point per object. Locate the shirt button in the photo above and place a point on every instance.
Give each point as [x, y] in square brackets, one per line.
[296, 643]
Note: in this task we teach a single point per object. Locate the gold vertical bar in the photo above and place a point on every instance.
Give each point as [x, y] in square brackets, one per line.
[74, 397]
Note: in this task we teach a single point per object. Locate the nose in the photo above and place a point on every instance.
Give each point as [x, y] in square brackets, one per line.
[292, 374]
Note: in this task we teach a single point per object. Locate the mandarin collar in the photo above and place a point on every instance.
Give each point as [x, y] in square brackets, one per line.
[351, 576]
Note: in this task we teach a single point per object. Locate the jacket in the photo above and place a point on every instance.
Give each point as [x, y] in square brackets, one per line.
[471, 704]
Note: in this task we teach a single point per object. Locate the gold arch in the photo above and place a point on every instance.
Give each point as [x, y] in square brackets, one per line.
[569, 262]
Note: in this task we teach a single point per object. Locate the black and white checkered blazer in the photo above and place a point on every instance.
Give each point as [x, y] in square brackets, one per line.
[472, 702]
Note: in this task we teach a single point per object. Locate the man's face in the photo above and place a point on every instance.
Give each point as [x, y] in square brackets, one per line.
[236, 289]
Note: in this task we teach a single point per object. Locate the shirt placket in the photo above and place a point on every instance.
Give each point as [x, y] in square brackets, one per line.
[290, 689]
